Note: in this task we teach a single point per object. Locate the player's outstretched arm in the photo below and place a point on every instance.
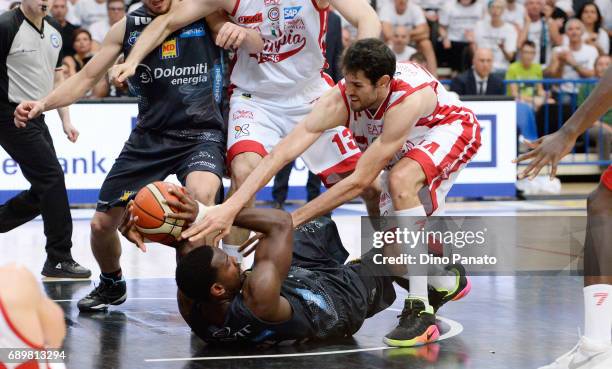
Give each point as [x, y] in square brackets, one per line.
[180, 15]
[551, 148]
[272, 261]
[328, 112]
[398, 123]
[361, 15]
[76, 86]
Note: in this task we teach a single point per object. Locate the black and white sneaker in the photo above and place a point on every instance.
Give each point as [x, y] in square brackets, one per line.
[65, 269]
[108, 292]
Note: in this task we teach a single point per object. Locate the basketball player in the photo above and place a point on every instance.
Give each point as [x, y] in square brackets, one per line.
[29, 320]
[595, 348]
[180, 129]
[409, 127]
[299, 287]
[273, 90]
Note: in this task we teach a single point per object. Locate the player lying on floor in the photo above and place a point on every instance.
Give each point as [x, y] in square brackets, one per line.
[298, 287]
[410, 128]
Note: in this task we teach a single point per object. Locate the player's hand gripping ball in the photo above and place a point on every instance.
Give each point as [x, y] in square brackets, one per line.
[151, 209]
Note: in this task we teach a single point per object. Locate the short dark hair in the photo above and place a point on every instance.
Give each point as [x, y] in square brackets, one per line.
[78, 31]
[418, 58]
[597, 24]
[372, 57]
[108, 2]
[528, 43]
[195, 273]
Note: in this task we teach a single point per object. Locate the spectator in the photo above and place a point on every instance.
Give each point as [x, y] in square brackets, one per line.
[59, 9]
[89, 12]
[595, 35]
[544, 32]
[5, 5]
[399, 44]
[81, 42]
[514, 14]
[116, 11]
[552, 11]
[527, 68]
[497, 35]
[432, 9]
[574, 61]
[407, 14]
[601, 132]
[333, 52]
[419, 59]
[478, 80]
[457, 21]
[605, 7]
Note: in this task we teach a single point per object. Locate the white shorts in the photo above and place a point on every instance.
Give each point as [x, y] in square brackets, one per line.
[257, 124]
[442, 152]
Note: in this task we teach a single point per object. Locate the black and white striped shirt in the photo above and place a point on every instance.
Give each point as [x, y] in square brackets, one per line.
[28, 58]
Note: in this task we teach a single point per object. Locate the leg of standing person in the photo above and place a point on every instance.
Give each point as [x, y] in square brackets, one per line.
[281, 186]
[47, 194]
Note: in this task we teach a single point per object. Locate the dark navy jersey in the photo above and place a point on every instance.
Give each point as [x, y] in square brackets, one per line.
[328, 299]
[180, 84]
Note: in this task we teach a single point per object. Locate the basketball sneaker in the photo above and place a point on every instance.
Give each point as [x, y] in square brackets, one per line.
[439, 297]
[585, 355]
[417, 325]
[108, 292]
[64, 269]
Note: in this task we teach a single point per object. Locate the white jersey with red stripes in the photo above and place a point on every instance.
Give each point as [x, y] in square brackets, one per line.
[10, 337]
[294, 46]
[443, 143]
[409, 78]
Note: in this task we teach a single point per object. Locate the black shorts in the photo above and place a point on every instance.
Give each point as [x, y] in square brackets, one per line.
[149, 156]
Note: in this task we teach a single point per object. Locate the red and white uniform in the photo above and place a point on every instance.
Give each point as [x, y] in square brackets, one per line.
[442, 143]
[274, 90]
[10, 337]
[606, 178]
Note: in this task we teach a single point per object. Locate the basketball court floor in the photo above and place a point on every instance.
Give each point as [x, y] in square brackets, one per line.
[522, 321]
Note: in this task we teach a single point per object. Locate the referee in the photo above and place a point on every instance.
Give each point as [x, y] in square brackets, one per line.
[30, 45]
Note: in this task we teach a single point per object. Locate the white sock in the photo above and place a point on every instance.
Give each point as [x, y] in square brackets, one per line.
[598, 313]
[418, 288]
[416, 277]
[412, 212]
[232, 250]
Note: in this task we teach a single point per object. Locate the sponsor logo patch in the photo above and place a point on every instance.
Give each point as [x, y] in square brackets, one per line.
[133, 37]
[291, 13]
[196, 31]
[251, 19]
[169, 49]
[271, 2]
[55, 41]
[241, 131]
[274, 14]
[242, 114]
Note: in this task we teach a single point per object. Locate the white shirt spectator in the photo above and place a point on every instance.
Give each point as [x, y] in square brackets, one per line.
[535, 35]
[515, 16]
[71, 16]
[605, 7]
[566, 6]
[490, 37]
[99, 30]
[405, 55]
[90, 11]
[602, 39]
[430, 4]
[413, 16]
[585, 58]
[458, 19]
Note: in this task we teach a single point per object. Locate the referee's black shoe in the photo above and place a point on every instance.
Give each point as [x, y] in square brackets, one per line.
[64, 269]
[107, 293]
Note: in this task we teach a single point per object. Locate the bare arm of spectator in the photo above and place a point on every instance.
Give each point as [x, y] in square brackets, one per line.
[556, 38]
[582, 71]
[555, 67]
[420, 32]
[70, 65]
[360, 14]
[387, 30]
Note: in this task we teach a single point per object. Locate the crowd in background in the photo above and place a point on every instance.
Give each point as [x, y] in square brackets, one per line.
[476, 44]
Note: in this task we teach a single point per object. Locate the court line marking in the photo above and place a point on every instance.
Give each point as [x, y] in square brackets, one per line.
[455, 329]
[131, 298]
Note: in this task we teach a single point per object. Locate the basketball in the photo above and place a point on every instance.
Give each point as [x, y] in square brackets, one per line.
[150, 209]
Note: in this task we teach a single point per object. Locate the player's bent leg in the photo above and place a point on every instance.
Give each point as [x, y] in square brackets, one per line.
[203, 186]
[241, 166]
[106, 247]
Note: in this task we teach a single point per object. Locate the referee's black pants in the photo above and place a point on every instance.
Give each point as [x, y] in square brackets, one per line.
[32, 148]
